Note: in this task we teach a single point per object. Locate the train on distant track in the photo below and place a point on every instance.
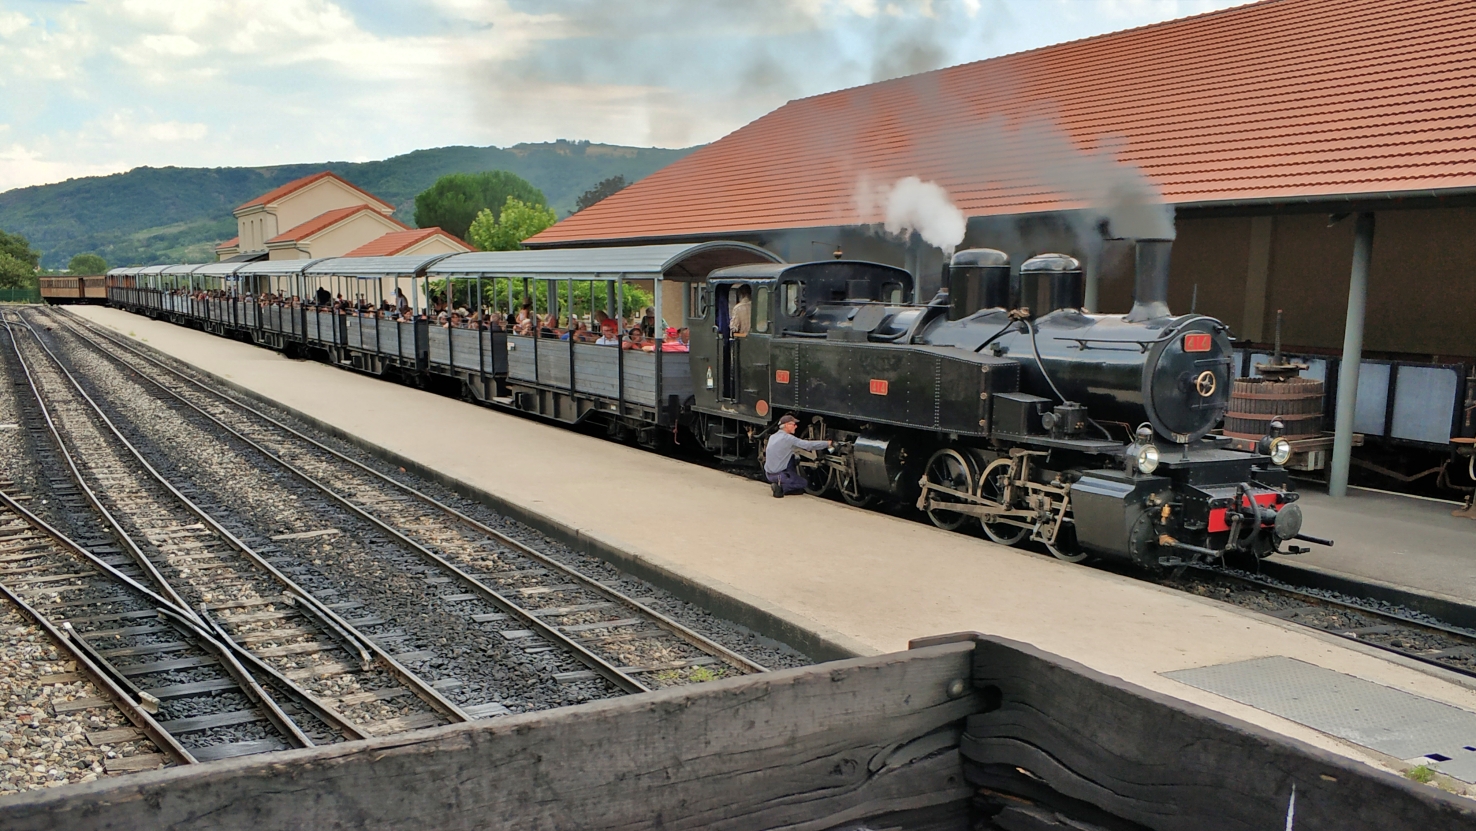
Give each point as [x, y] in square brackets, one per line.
[1089, 434]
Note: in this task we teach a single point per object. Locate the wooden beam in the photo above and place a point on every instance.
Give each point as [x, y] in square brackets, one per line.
[1085, 737]
[808, 748]
[1257, 273]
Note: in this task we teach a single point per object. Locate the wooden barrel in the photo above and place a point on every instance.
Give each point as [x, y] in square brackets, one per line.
[1256, 402]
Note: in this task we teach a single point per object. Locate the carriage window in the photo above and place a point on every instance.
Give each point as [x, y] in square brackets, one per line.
[792, 299]
[761, 309]
[697, 304]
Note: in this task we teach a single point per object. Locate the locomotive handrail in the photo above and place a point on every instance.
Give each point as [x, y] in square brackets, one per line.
[1143, 345]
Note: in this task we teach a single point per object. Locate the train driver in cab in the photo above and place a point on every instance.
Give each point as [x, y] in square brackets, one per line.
[742, 316]
[781, 467]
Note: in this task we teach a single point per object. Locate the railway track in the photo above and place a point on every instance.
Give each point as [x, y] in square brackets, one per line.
[350, 684]
[182, 689]
[1412, 637]
[507, 587]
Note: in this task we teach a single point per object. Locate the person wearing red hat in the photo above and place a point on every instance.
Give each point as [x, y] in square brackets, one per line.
[781, 467]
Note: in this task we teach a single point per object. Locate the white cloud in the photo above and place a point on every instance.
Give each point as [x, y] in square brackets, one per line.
[12, 22]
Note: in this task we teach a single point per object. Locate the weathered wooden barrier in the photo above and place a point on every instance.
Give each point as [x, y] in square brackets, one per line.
[960, 732]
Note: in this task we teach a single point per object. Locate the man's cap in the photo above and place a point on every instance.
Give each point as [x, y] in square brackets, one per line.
[787, 419]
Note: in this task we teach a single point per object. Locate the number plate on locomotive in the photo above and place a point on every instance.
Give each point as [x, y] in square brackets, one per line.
[1198, 342]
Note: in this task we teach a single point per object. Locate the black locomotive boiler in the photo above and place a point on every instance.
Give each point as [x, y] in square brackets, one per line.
[1088, 433]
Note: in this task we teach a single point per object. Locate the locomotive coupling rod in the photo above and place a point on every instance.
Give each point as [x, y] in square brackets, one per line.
[1318, 540]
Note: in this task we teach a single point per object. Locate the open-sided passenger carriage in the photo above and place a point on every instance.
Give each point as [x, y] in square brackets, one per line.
[638, 393]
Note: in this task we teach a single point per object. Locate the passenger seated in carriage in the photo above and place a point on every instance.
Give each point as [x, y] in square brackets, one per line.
[636, 341]
[673, 341]
[608, 334]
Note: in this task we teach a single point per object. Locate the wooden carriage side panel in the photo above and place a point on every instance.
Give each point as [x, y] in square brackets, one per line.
[553, 362]
[440, 346]
[387, 335]
[640, 377]
[407, 340]
[467, 353]
[520, 357]
[595, 370]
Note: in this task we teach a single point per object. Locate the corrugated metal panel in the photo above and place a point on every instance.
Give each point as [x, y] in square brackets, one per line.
[1275, 100]
[372, 266]
[593, 263]
[275, 268]
[184, 268]
[222, 269]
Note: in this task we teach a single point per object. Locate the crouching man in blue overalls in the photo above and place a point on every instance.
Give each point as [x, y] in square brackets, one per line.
[781, 468]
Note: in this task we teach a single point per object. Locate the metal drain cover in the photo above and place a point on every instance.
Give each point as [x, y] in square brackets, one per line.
[1391, 721]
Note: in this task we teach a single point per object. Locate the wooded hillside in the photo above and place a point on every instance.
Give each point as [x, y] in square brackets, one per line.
[177, 214]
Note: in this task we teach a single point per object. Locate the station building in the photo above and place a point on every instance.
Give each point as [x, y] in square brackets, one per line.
[323, 215]
[1277, 139]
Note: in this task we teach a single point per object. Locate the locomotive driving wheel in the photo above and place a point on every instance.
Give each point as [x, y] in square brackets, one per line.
[950, 470]
[994, 486]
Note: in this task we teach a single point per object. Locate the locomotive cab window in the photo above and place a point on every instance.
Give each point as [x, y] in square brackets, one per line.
[892, 293]
[792, 296]
[697, 301]
[761, 299]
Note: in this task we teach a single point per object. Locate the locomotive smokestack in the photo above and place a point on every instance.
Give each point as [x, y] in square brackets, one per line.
[1150, 291]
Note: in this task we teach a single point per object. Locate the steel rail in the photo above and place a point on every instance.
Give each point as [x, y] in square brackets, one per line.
[684, 633]
[280, 683]
[1314, 600]
[115, 527]
[357, 641]
[605, 669]
[104, 679]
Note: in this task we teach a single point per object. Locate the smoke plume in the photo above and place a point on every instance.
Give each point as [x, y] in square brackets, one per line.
[910, 204]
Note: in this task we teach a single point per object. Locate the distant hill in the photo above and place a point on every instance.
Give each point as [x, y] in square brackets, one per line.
[177, 214]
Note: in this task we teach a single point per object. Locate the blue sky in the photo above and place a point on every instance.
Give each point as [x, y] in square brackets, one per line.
[100, 87]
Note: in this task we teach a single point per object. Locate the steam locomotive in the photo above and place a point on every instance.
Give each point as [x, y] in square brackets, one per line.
[1087, 433]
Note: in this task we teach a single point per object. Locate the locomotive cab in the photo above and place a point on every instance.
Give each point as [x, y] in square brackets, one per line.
[808, 300]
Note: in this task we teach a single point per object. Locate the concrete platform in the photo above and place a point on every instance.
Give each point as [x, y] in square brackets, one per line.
[1401, 540]
[858, 579]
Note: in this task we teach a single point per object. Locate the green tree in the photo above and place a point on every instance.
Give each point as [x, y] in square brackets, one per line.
[18, 263]
[518, 221]
[87, 264]
[608, 187]
[455, 200]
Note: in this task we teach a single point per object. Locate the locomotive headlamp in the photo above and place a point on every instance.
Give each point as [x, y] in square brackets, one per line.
[1281, 451]
[1278, 448]
[1145, 458]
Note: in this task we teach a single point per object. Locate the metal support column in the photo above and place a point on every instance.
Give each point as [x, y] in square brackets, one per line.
[1342, 454]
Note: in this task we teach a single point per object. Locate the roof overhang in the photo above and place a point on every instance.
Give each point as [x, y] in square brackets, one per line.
[398, 266]
[688, 260]
[275, 268]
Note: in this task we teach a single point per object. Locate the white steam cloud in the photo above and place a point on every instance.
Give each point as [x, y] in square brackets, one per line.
[910, 204]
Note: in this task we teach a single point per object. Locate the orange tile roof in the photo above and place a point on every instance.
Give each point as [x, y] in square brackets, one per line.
[324, 221]
[230, 243]
[298, 184]
[1274, 100]
[396, 241]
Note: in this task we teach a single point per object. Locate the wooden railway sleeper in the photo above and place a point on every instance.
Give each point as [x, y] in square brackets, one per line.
[279, 719]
